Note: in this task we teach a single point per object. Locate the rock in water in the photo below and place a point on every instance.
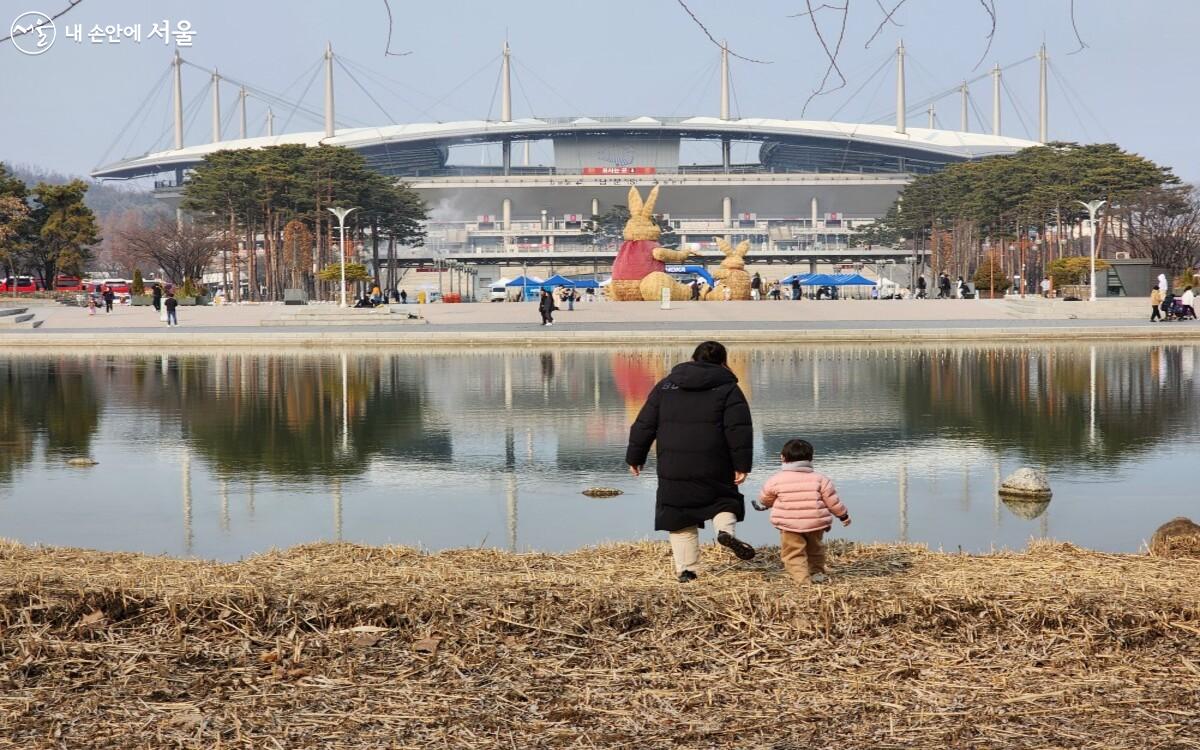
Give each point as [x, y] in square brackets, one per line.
[1028, 508]
[81, 462]
[602, 492]
[1026, 482]
[1179, 537]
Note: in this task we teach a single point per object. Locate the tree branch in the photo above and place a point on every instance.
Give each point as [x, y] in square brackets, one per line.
[713, 39]
[387, 51]
[70, 7]
[831, 55]
[1082, 44]
[887, 17]
[991, 11]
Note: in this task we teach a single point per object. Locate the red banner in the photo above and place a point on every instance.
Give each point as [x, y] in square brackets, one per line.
[619, 170]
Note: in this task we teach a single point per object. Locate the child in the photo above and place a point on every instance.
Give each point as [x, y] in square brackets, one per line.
[803, 504]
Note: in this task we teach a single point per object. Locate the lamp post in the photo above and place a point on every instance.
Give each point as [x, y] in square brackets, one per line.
[1092, 207]
[341, 214]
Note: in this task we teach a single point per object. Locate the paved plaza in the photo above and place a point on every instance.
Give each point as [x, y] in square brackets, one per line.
[600, 322]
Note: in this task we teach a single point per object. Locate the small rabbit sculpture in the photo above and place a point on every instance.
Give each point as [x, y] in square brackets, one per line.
[732, 280]
[639, 270]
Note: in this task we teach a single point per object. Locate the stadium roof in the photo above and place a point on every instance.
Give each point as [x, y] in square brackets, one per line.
[946, 143]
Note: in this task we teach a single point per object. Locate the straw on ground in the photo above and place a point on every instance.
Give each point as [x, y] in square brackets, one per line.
[341, 646]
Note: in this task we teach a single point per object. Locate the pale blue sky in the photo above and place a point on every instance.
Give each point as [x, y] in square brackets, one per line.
[62, 110]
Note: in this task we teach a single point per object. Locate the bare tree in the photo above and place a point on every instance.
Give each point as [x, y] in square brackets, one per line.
[182, 252]
[1163, 224]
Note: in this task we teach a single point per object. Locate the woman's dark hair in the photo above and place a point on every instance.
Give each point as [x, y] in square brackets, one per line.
[797, 450]
[711, 352]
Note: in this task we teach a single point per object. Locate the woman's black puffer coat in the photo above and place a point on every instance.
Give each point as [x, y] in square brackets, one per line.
[701, 420]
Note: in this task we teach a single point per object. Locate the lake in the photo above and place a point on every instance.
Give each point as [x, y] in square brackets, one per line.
[222, 456]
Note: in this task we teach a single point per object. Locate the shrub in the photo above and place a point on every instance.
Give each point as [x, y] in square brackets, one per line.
[1073, 270]
[138, 287]
[989, 273]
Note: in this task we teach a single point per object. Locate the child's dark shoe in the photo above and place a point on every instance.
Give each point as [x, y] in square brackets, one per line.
[686, 576]
[736, 546]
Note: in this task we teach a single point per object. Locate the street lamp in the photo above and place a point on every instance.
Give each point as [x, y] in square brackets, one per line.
[1093, 207]
[341, 214]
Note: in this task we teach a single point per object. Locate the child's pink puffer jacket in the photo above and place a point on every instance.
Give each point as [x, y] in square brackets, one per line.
[802, 500]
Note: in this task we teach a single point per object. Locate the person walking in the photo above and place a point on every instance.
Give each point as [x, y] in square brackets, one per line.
[546, 308]
[570, 299]
[960, 288]
[921, 287]
[795, 288]
[944, 286]
[171, 303]
[156, 294]
[1188, 300]
[803, 505]
[699, 421]
[1156, 300]
[403, 297]
[109, 296]
[695, 289]
[756, 287]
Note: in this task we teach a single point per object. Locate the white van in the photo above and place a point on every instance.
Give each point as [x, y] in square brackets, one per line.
[499, 292]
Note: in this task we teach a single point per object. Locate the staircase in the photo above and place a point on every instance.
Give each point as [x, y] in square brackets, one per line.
[331, 315]
[18, 317]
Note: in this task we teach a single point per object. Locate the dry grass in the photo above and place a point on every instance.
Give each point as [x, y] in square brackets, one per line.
[339, 646]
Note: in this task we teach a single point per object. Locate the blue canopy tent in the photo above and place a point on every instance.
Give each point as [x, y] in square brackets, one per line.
[558, 280]
[851, 279]
[800, 277]
[586, 284]
[531, 286]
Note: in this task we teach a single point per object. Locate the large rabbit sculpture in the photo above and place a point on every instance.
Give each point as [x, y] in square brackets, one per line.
[639, 271]
[731, 276]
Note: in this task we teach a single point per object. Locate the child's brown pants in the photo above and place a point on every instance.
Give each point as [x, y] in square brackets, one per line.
[802, 554]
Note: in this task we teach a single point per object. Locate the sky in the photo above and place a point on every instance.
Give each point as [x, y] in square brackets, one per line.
[71, 108]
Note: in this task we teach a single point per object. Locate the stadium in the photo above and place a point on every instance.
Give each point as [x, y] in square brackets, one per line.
[797, 189]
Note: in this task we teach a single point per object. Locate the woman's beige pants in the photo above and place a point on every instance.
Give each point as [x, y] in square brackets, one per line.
[685, 543]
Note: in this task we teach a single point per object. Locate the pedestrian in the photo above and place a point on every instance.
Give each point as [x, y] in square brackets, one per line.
[1162, 283]
[1156, 300]
[960, 288]
[699, 421]
[376, 294]
[403, 297]
[944, 286]
[803, 505]
[756, 287]
[795, 287]
[546, 308]
[170, 303]
[921, 287]
[1046, 287]
[1188, 300]
[695, 289]
[109, 296]
[156, 293]
[395, 294]
[570, 299]
[91, 305]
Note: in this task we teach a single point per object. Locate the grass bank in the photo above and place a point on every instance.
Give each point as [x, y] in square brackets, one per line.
[341, 646]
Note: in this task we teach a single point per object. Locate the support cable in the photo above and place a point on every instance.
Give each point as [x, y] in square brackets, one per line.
[705, 74]
[1016, 108]
[1070, 91]
[883, 66]
[303, 94]
[153, 93]
[917, 106]
[545, 83]
[364, 90]
[388, 84]
[525, 96]
[495, 91]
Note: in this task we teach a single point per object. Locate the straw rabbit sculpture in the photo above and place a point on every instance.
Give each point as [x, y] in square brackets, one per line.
[639, 271]
[731, 274]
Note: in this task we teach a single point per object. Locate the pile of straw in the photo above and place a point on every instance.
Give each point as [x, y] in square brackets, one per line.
[340, 646]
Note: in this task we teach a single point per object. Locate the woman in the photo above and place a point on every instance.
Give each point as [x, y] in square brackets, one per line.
[546, 308]
[700, 422]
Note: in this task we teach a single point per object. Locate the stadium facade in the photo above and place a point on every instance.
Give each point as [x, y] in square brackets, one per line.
[800, 186]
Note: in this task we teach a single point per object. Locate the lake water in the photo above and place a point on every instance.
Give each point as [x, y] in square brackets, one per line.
[224, 456]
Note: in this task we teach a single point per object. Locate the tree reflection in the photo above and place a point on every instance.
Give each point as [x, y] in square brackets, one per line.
[53, 400]
[283, 415]
[1038, 403]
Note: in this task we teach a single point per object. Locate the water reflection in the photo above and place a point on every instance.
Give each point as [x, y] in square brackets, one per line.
[436, 434]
